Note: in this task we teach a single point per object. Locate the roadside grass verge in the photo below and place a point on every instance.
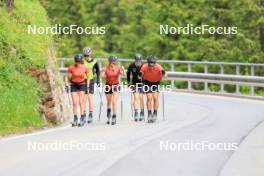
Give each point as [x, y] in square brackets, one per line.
[20, 93]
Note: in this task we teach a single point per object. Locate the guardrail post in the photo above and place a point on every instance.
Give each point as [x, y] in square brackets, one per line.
[172, 69]
[237, 85]
[222, 89]
[189, 71]
[205, 82]
[62, 63]
[252, 73]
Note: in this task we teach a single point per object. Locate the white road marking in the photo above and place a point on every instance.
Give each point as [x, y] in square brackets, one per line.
[34, 133]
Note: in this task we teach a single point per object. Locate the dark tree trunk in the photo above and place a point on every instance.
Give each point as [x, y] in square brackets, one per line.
[261, 30]
[78, 42]
[10, 4]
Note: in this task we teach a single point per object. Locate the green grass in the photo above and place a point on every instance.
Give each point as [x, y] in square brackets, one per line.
[20, 93]
[13, 31]
[19, 98]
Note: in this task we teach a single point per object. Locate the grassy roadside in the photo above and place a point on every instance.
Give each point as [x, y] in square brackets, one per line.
[20, 93]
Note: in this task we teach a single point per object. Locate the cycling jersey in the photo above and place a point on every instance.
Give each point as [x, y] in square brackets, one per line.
[78, 73]
[93, 68]
[135, 71]
[152, 74]
[112, 75]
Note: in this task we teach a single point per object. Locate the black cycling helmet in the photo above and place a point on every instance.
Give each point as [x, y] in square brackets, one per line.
[112, 59]
[152, 60]
[138, 58]
[78, 58]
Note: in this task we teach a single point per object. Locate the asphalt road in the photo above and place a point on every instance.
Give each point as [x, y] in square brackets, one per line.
[133, 148]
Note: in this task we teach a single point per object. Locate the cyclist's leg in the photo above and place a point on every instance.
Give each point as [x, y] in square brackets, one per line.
[149, 101]
[90, 96]
[114, 101]
[156, 101]
[74, 96]
[81, 95]
[136, 99]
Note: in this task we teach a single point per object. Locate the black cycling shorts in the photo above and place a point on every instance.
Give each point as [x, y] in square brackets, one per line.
[109, 89]
[137, 88]
[78, 87]
[151, 87]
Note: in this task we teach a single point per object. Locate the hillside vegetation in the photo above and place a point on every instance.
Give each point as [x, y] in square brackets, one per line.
[132, 26]
[20, 92]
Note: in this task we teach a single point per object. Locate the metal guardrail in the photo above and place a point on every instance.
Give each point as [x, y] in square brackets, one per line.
[206, 78]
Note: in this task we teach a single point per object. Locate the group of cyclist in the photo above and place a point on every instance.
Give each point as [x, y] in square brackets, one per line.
[84, 75]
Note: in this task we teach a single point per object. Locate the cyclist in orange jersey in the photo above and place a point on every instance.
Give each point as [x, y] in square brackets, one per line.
[78, 85]
[152, 74]
[112, 73]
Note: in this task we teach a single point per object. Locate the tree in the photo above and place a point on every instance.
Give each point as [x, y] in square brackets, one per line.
[132, 26]
[9, 5]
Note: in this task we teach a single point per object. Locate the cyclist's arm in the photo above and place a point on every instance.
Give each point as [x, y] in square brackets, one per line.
[66, 77]
[141, 73]
[122, 71]
[102, 72]
[96, 70]
[164, 74]
[87, 77]
[129, 70]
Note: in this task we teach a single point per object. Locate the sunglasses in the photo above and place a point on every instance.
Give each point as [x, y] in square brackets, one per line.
[152, 64]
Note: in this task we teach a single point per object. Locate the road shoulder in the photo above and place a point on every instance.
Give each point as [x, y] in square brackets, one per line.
[248, 159]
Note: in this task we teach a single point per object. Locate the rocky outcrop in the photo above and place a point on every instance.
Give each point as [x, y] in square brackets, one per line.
[53, 104]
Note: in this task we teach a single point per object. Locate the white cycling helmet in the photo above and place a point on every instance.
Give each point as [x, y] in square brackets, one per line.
[87, 51]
